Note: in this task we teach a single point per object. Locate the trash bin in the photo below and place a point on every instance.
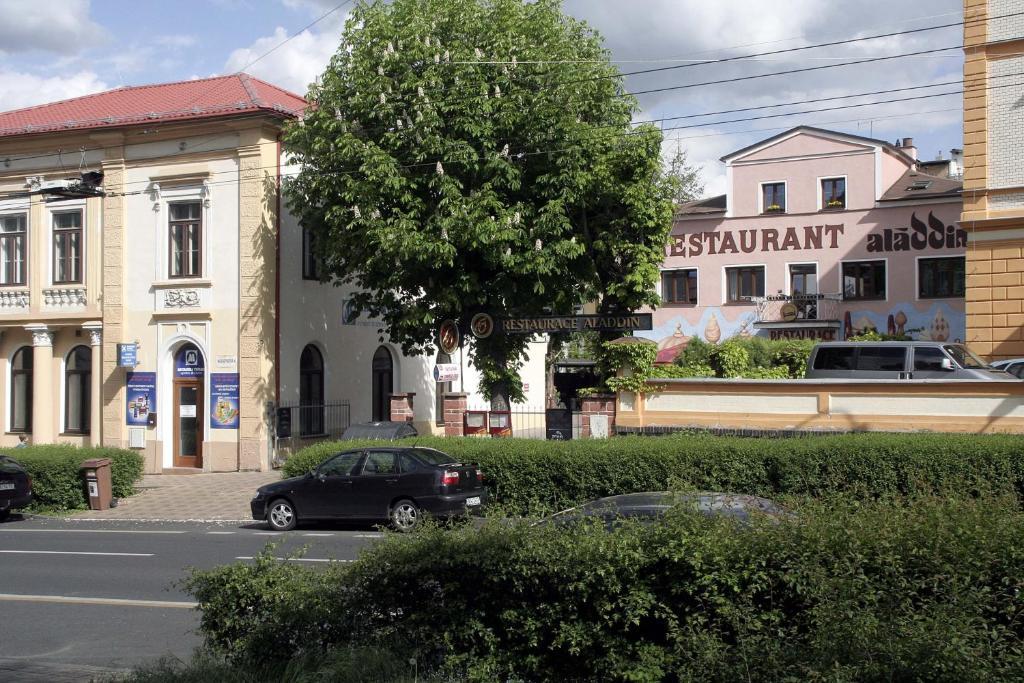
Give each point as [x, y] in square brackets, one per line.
[97, 483]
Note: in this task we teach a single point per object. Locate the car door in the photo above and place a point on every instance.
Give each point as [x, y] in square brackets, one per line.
[328, 493]
[928, 363]
[376, 485]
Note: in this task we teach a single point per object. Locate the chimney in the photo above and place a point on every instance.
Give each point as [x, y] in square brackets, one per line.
[908, 146]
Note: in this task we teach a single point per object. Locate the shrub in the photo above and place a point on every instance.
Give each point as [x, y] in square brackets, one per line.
[747, 357]
[929, 590]
[57, 480]
[532, 476]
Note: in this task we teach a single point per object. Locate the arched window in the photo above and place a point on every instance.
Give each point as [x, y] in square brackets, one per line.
[21, 390]
[77, 390]
[311, 391]
[383, 384]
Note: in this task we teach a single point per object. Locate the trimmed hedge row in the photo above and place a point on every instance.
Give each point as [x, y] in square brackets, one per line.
[928, 589]
[532, 476]
[57, 480]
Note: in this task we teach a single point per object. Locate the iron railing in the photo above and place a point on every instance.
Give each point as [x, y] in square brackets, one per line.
[777, 308]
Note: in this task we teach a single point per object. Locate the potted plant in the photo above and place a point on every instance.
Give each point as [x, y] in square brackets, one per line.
[773, 208]
[835, 204]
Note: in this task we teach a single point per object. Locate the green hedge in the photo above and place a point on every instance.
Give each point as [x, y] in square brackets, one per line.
[930, 589]
[57, 478]
[532, 476]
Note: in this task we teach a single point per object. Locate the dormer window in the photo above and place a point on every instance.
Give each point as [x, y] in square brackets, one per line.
[833, 194]
[773, 197]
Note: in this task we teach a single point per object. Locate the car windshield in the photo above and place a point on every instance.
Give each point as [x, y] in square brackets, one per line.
[964, 358]
[430, 456]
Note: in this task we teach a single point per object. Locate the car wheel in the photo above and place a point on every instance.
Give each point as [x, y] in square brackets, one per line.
[405, 515]
[281, 515]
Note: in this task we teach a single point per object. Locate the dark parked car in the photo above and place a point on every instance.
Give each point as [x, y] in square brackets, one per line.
[385, 431]
[15, 486]
[653, 504]
[395, 484]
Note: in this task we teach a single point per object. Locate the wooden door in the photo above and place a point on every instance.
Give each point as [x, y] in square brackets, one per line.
[188, 419]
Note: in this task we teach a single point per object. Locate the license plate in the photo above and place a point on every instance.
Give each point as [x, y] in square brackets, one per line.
[472, 502]
[8, 485]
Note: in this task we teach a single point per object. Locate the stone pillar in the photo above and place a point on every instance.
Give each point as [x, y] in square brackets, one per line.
[401, 407]
[44, 398]
[454, 413]
[95, 384]
[597, 416]
[111, 403]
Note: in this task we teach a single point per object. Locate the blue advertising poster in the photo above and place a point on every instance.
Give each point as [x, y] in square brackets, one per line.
[141, 397]
[224, 400]
[188, 363]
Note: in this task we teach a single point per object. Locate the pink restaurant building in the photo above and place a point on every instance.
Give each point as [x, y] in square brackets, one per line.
[820, 234]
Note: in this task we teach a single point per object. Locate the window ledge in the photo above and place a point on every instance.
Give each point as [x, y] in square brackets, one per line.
[182, 282]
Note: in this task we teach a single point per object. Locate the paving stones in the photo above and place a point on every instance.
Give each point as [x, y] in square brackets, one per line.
[207, 497]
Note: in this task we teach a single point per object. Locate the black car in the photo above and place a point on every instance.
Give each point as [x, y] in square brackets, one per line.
[394, 484]
[15, 486]
[383, 431]
[653, 504]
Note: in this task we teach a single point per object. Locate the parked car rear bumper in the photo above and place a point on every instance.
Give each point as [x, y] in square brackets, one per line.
[15, 502]
[452, 505]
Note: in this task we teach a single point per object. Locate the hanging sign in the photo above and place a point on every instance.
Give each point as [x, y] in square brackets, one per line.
[448, 337]
[482, 325]
[224, 411]
[446, 372]
[127, 355]
[578, 323]
[188, 363]
[141, 390]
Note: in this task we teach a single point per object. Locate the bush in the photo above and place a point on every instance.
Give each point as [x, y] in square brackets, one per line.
[929, 590]
[57, 480]
[527, 476]
[747, 357]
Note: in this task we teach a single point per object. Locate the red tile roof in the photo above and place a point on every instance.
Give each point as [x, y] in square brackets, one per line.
[183, 101]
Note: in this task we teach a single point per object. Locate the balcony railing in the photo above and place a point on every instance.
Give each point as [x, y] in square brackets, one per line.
[791, 308]
[64, 297]
[12, 300]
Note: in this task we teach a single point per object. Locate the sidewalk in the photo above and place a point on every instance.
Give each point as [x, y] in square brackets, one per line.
[214, 497]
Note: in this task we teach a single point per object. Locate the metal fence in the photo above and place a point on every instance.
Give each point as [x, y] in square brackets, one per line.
[520, 421]
[297, 425]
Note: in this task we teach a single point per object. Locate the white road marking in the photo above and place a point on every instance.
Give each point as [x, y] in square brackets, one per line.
[96, 531]
[220, 533]
[317, 534]
[267, 533]
[295, 559]
[76, 600]
[368, 536]
[73, 552]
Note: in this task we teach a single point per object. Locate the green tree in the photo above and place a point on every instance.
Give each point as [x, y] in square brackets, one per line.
[463, 156]
[689, 184]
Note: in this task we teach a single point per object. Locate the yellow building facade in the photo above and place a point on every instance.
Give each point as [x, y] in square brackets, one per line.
[993, 191]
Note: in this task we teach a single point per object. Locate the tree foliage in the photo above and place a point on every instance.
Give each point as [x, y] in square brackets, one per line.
[463, 156]
[689, 184]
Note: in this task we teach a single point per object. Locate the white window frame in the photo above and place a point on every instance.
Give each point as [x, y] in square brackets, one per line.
[842, 289]
[760, 196]
[788, 278]
[917, 276]
[725, 282]
[821, 197]
[177, 195]
[77, 205]
[660, 287]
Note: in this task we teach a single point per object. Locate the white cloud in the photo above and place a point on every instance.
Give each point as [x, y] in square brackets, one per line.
[61, 26]
[176, 40]
[293, 65]
[25, 89]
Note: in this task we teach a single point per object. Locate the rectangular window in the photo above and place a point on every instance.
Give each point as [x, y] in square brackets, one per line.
[940, 278]
[185, 239]
[864, 280]
[803, 278]
[13, 240]
[67, 247]
[310, 265]
[833, 193]
[773, 197]
[679, 286]
[744, 282]
[884, 358]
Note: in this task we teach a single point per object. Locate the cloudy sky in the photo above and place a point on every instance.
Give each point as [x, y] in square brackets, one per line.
[55, 49]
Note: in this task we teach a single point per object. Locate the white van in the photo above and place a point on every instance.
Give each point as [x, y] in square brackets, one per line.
[900, 360]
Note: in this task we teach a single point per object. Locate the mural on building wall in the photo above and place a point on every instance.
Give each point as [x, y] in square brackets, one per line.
[926, 321]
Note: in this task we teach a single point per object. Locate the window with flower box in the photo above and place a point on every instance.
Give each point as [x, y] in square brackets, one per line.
[833, 194]
[773, 197]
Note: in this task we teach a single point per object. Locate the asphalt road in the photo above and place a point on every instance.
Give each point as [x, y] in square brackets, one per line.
[81, 598]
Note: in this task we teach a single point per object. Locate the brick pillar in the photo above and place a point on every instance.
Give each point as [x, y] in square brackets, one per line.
[402, 407]
[454, 410]
[591, 406]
